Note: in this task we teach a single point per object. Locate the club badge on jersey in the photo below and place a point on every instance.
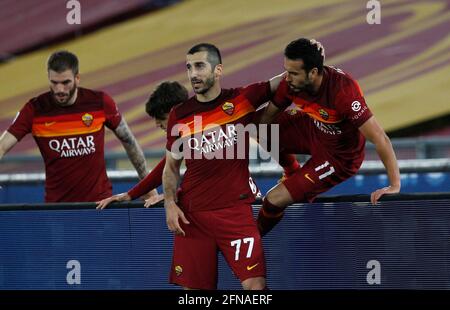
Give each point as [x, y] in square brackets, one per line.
[228, 108]
[87, 119]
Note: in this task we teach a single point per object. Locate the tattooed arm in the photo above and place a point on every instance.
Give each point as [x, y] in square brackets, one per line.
[132, 148]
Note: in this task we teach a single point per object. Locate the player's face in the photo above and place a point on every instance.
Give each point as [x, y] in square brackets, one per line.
[200, 72]
[296, 77]
[162, 122]
[63, 86]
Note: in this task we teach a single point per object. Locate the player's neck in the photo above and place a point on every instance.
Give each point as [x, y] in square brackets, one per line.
[317, 83]
[74, 97]
[211, 94]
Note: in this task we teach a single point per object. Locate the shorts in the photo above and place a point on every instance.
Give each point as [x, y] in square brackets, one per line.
[316, 176]
[324, 170]
[232, 231]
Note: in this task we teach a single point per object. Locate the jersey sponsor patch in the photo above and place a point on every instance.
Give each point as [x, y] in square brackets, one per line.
[356, 106]
[73, 147]
[329, 129]
[214, 139]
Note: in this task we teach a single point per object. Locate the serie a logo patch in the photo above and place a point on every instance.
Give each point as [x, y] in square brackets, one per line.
[228, 108]
[87, 119]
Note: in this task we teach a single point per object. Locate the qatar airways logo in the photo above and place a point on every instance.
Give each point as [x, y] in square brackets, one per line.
[228, 141]
[328, 129]
[214, 140]
[73, 147]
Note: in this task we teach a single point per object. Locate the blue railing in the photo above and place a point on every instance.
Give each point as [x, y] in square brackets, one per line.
[334, 243]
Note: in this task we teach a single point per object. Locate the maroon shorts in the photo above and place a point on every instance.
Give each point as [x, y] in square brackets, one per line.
[325, 169]
[232, 231]
[316, 176]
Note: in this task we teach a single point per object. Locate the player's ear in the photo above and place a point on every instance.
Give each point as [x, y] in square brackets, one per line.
[313, 73]
[218, 70]
[77, 78]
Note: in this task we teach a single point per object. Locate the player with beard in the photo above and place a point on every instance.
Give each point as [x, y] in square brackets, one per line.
[68, 124]
[331, 122]
[212, 210]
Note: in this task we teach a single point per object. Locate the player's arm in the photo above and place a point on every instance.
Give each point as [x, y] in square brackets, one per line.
[132, 148]
[373, 132]
[118, 197]
[269, 114]
[271, 110]
[141, 189]
[7, 141]
[275, 82]
[171, 178]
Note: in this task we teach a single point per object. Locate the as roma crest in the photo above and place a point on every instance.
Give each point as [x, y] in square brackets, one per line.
[178, 270]
[87, 119]
[324, 114]
[228, 108]
[292, 111]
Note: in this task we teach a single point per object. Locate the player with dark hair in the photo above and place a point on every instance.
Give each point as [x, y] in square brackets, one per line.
[330, 121]
[212, 211]
[161, 101]
[68, 125]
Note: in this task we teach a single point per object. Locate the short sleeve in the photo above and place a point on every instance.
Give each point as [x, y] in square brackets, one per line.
[112, 114]
[257, 94]
[23, 122]
[281, 98]
[352, 105]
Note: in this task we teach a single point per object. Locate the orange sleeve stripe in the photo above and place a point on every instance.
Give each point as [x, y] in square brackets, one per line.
[57, 129]
[312, 109]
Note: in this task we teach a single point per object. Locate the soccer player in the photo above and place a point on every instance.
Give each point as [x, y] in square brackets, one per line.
[331, 121]
[212, 210]
[68, 125]
[166, 95]
[161, 101]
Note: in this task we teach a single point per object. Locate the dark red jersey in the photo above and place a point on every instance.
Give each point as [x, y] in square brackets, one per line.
[336, 112]
[71, 141]
[216, 154]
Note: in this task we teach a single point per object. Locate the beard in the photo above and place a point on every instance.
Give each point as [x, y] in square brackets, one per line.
[62, 98]
[207, 84]
[307, 86]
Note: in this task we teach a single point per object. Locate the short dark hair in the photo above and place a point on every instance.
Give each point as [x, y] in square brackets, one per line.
[164, 97]
[61, 61]
[303, 49]
[214, 57]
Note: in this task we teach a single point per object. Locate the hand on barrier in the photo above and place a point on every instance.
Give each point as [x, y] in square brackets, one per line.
[105, 202]
[151, 193]
[153, 200]
[385, 190]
